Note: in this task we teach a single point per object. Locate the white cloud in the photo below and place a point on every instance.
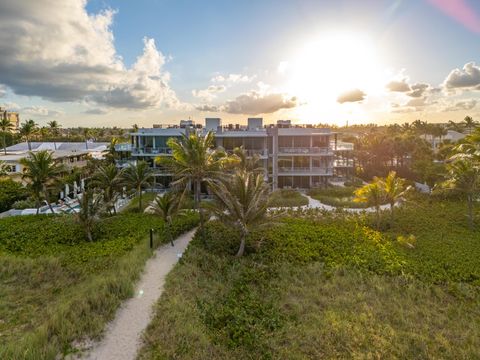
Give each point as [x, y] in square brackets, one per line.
[209, 93]
[40, 111]
[355, 95]
[468, 77]
[398, 86]
[462, 105]
[56, 50]
[233, 78]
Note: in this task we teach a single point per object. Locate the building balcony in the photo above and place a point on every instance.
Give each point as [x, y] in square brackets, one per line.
[325, 151]
[306, 171]
[148, 151]
[343, 163]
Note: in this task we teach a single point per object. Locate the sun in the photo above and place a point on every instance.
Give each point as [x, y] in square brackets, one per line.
[330, 64]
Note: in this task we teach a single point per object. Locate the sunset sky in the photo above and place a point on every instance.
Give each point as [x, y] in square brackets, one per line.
[119, 62]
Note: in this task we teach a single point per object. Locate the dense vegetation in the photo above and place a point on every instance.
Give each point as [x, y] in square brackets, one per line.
[326, 285]
[286, 198]
[337, 196]
[56, 287]
[10, 192]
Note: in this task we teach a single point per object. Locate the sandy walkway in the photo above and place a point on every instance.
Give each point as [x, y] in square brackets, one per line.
[123, 334]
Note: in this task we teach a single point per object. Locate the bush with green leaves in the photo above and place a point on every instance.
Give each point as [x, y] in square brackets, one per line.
[10, 191]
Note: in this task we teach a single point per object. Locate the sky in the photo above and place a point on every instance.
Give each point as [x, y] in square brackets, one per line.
[122, 62]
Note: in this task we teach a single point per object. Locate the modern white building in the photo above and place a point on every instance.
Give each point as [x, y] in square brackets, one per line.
[71, 154]
[296, 156]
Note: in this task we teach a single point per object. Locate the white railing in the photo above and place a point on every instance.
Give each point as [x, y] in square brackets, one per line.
[310, 171]
[305, 150]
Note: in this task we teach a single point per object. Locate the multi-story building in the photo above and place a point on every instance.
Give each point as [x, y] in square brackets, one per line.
[14, 117]
[297, 156]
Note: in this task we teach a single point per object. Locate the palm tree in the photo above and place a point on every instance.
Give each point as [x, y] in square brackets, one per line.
[246, 163]
[54, 128]
[41, 171]
[86, 133]
[3, 168]
[241, 202]
[134, 128]
[88, 215]
[373, 195]
[393, 190]
[469, 123]
[137, 176]
[111, 152]
[27, 130]
[6, 127]
[194, 161]
[464, 177]
[109, 180]
[168, 206]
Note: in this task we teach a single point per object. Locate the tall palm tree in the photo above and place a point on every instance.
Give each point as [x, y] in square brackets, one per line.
[108, 179]
[41, 172]
[373, 195]
[6, 127]
[90, 208]
[394, 190]
[241, 202]
[54, 128]
[194, 161]
[167, 207]
[111, 153]
[138, 176]
[28, 129]
[244, 162]
[86, 132]
[134, 128]
[464, 177]
[469, 123]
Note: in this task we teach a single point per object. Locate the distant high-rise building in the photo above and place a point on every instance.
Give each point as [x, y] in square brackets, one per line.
[13, 116]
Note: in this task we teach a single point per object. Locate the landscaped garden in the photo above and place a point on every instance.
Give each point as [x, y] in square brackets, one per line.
[324, 285]
[337, 196]
[286, 198]
[56, 288]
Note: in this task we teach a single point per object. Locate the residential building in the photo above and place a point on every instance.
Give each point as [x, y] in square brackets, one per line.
[296, 156]
[71, 154]
[13, 116]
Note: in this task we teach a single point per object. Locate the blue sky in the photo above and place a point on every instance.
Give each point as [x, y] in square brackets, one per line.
[409, 41]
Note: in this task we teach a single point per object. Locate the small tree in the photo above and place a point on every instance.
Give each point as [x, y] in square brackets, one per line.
[241, 201]
[373, 195]
[108, 179]
[54, 129]
[28, 129]
[394, 190]
[464, 177]
[90, 208]
[6, 127]
[41, 172]
[137, 176]
[167, 207]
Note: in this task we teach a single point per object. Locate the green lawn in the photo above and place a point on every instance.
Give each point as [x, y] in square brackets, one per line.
[56, 288]
[132, 206]
[327, 286]
[286, 198]
[337, 196]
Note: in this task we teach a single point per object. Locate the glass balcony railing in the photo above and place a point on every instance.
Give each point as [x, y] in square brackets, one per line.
[303, 170]
[305, 150]
[151, 151]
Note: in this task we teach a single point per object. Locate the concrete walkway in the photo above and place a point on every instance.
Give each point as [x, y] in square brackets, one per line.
[123, 334]
[315, 204]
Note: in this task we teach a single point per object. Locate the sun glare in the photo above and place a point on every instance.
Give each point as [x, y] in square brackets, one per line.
[331, 64]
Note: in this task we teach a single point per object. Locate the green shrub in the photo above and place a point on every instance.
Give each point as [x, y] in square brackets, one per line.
[10, 191]
[23, 204]
[286, 198]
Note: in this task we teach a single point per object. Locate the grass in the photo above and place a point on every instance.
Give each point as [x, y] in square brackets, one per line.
[132, 206]
[57, 289]
[326, 285]
[337, 196]
[286, 198]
